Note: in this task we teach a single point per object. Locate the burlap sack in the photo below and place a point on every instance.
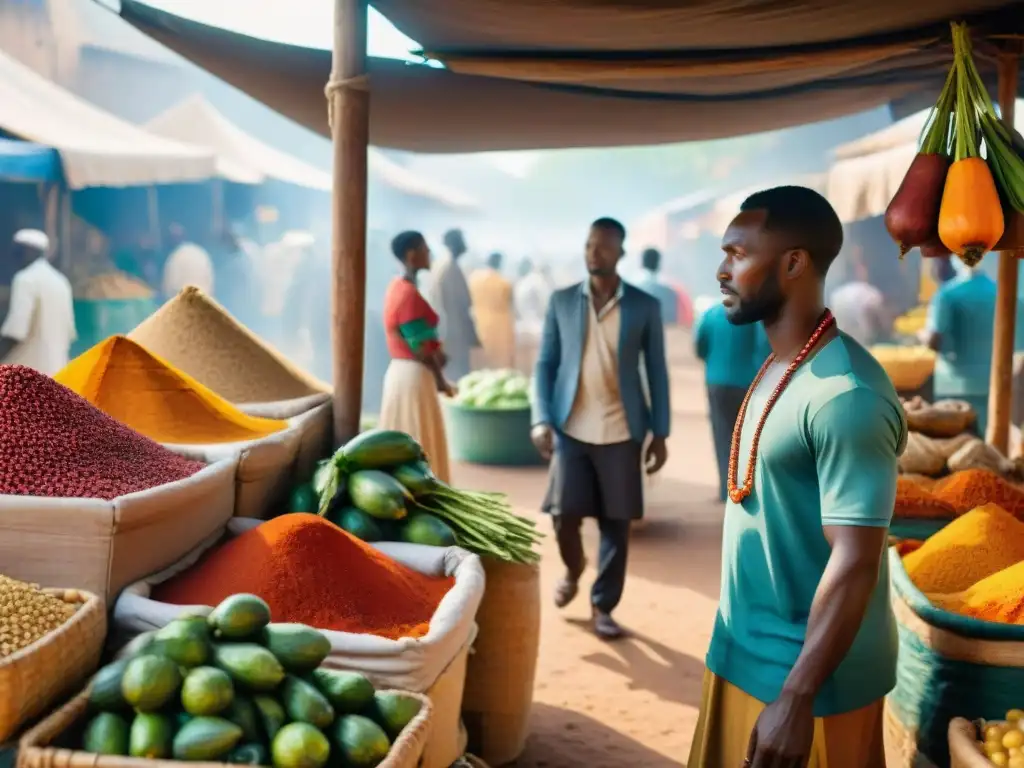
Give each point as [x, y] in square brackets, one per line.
[102, 546]
[313, 417]
[434, 664]
[943, 418]
[922, 456]
[499, 681]
[266, 469]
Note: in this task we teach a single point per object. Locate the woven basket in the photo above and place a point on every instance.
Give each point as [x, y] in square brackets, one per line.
[37, 748]
[949, 666]
[963, 745]
[499, 681]
[55, 665]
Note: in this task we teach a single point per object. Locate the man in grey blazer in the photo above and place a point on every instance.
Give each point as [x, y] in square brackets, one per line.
[591, 416]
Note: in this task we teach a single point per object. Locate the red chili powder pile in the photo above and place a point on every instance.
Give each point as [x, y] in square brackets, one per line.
[312, 572]
[53, 443]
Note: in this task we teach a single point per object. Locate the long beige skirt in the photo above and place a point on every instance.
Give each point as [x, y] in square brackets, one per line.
[410, 404]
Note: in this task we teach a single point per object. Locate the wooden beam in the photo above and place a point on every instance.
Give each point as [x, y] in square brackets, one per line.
[1001, 386]
[349, 108]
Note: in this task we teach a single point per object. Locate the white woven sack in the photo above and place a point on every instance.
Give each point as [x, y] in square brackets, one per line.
[313, 416]
[408, 664]
[266, 469]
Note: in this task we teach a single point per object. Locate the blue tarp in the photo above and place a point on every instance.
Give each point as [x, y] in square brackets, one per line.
[23, 161]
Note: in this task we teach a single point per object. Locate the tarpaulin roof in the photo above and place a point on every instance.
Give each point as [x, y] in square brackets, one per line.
[96, 148]
[543, 74]
[240, 157]
[23, 161]
[245, 159]
[866, 173]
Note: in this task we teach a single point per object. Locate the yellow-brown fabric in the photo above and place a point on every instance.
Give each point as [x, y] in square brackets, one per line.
[728, 715]
[495, 319]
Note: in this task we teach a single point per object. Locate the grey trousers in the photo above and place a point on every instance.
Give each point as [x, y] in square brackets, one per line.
[724, 406]
[604, 482]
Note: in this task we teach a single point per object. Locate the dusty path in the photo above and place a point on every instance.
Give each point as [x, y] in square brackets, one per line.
[632, 703]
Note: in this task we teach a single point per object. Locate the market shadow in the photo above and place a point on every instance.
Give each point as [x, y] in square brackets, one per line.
[650, 666]
[561, 738]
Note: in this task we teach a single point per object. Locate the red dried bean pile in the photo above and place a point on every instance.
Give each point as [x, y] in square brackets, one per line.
[54, 443]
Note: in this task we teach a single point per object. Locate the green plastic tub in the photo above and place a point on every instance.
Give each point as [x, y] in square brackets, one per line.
[495, 438]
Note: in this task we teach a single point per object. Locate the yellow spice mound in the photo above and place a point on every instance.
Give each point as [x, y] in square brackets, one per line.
[201, 338]
[971, 548]
[148, 394]
[998, 598]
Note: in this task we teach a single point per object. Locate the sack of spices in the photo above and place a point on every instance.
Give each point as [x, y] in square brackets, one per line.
[87, 501]
[402, 614]
[313, 417]
[949, 665]
[921, 456]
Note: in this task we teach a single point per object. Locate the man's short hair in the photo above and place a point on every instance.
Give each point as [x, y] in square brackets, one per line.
[609, 224]
[804, 216]
[404, 242]
[651, 259]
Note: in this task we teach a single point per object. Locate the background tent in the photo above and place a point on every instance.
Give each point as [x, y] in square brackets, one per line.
[96, 149]
[867, 172]
[587, 73]
[23, 161]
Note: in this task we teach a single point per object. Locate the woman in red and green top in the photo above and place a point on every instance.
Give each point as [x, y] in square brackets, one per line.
[414, 377]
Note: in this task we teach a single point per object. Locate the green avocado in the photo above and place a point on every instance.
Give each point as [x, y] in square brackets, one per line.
[239, 617]
[151, 736]
[299, 648]
[206, 739]
[106, 734]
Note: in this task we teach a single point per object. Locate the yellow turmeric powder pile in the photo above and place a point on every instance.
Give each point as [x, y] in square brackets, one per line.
[151, 396]
[971, 548]
[998, 598]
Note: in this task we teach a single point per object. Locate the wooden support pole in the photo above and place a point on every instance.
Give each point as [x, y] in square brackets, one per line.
[349, 108]
[1001, 386]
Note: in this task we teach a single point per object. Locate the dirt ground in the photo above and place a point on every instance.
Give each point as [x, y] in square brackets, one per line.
[635, 702]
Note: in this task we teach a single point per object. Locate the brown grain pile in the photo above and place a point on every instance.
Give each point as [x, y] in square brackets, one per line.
[197, 335]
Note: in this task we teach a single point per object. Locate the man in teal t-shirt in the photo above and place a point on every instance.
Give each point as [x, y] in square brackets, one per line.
[732, 355]
[960, 327]
[804, 645]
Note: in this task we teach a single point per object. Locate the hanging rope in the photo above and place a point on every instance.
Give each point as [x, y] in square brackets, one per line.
[357, 83]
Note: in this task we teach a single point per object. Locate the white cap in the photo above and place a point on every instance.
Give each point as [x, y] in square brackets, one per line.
[33, 238]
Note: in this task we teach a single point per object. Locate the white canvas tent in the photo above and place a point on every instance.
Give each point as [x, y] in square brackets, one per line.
[96, 148]
[866, 173]
[245, 159]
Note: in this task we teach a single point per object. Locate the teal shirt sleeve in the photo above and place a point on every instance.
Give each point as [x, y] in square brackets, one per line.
[857, 437]
[700, 336]
[418, 334]
[940, 315]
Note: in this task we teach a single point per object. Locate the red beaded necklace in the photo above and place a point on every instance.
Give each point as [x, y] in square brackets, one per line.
[739, 493]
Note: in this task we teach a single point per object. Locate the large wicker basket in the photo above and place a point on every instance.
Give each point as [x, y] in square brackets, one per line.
[42, 746]
[54, 666]
[963, 745]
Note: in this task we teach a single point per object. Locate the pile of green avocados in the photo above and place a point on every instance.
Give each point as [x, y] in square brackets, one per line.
[234, 687]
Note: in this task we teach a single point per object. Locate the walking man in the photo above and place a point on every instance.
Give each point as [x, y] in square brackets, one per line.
[653, 284]
[591, 416]
[40, 325]
[732, 355]
[804, 646]
[448, 293]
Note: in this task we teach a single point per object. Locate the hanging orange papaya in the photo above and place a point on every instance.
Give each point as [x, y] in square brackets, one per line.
[971, 216]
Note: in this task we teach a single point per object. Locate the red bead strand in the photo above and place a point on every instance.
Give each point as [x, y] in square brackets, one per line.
[738, 493]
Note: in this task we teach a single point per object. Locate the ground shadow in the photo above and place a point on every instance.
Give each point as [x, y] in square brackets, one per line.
[561, 738]
[650, 666]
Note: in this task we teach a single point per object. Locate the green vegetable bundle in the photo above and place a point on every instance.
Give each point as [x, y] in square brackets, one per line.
[504, 390]
[233, 687]
[379, 487]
